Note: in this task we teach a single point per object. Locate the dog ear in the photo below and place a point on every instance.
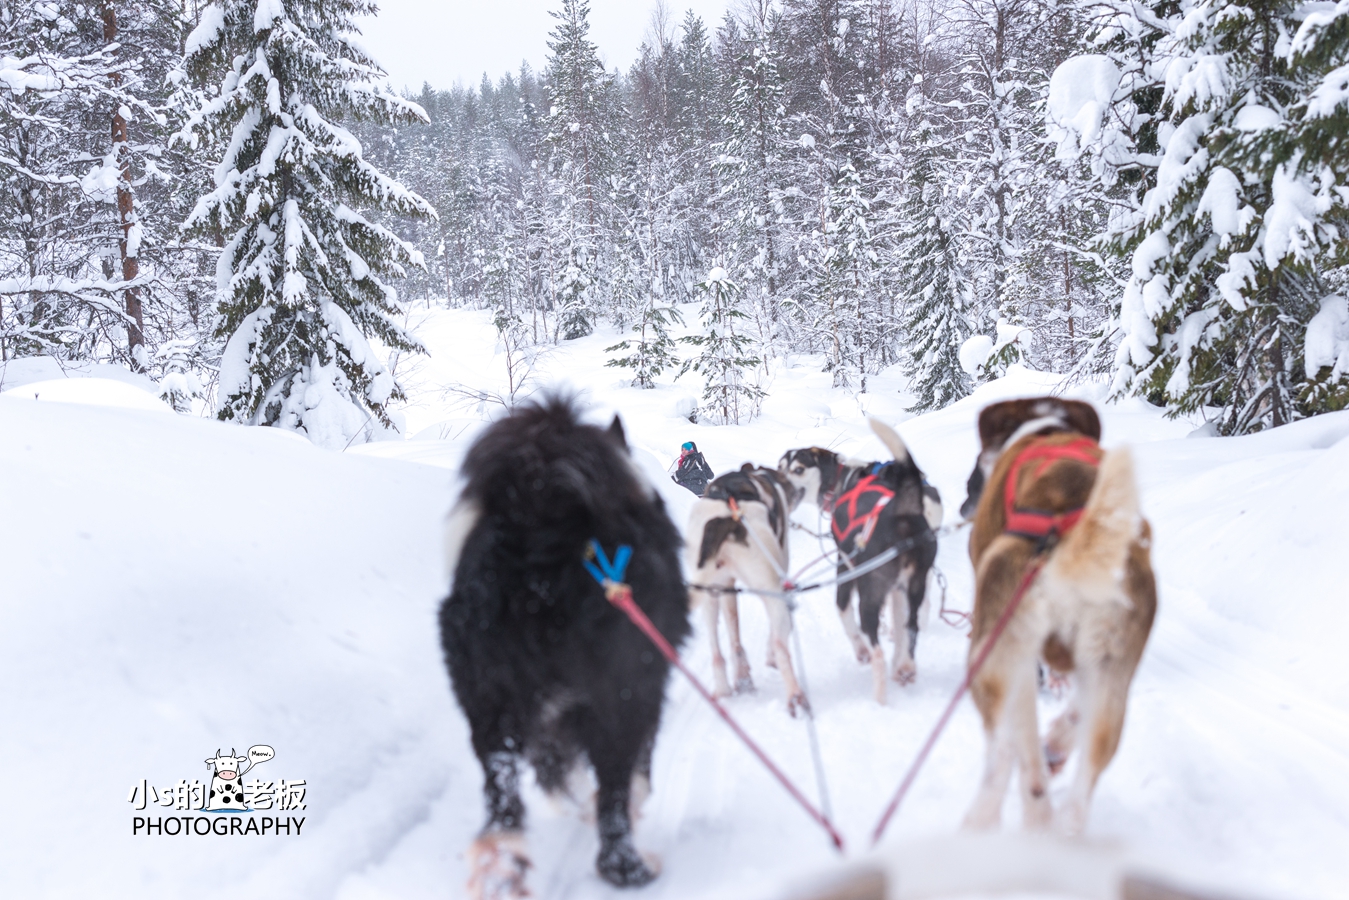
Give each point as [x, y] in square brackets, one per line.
[1083, 418]
[616, 432]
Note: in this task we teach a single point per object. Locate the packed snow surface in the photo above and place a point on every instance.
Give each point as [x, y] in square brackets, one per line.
[174, 586]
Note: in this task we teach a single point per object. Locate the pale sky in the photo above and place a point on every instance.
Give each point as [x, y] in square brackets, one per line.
[444, 41]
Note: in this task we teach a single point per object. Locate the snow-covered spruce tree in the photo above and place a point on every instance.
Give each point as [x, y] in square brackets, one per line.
[1232, 242]
[749, 161]
[723, 358]
[993, 174]
[581, 130]
[302, 280]
[846, 278]
[843, 71]
[930, 279]
[1316, 148]
[652, 351]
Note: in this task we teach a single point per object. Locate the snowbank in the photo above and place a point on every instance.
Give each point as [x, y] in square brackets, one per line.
[89, 391]
[25, 370]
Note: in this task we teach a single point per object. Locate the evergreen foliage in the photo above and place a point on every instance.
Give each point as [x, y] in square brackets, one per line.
[653, 350]
[930, 279]
[303, 281]
[1239, 226]
[1148, 193]
[83, 103]
[723, 357]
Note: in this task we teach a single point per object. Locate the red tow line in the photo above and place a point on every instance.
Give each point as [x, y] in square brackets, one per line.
[973, 670]
[620, 595]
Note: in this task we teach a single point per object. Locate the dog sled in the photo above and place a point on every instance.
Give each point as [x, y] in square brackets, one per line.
[989, 866]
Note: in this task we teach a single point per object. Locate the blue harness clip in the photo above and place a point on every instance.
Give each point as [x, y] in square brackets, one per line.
[601, 569]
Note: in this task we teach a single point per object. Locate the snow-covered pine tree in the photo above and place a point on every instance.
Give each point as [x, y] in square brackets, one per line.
[581, 133]
[849, 264]
[930, 278]
[841, 73]
[695, 119]
[749, 160]
[724, 358]
[652, 351]
[999, 125]
[1232, 242]
[302, 281]
[1316, 149]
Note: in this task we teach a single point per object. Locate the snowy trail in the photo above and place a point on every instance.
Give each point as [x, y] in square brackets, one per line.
[171, 585]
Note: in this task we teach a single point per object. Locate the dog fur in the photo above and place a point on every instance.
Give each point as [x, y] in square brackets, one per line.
[749, 548]
[999, 424]
[1088, 612]
[545, 668]
[909, 519]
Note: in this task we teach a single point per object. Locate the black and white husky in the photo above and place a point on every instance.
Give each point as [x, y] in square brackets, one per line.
[737, 534]
[544, 667]
[873, 507]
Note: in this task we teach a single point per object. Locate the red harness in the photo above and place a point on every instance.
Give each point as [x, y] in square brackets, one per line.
[1040, 524]
[866, 522]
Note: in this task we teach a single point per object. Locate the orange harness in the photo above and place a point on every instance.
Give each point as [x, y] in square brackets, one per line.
[1038, 524]
[866, 522]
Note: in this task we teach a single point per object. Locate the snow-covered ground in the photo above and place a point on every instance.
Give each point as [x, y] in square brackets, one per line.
[172, 586]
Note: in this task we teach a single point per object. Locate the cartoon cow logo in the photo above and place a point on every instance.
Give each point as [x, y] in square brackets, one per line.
[227, 777]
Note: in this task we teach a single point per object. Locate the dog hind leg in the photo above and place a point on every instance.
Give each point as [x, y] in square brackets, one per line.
[780, 630]
[849, 620]
[498, 859]
[1024, 733]
[712, 616]
[906, 599]
[616, 756]
[731, 612]
[1062, 737]
[871, 597]
[1102, 697]
[989, 695]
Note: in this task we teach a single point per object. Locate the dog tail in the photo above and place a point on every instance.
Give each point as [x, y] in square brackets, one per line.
[716, 532]
[891, 439]
[1093, 555]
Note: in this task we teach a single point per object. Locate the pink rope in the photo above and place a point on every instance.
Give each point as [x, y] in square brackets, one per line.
[973, 670]
[620, 595]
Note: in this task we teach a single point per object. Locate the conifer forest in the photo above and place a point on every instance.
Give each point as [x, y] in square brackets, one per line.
[229, 198]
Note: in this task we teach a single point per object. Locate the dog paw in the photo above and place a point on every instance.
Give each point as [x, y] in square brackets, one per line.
[798, 702]
[863, 655]
[622, 866]
[982, 820]
[498, 863]
[906, 672]
[1054, 684]
[721, 691]
[744, 685]
[1071, 820]
[1055, 758]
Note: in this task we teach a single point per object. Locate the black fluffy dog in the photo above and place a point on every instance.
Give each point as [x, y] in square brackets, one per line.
[545, 668]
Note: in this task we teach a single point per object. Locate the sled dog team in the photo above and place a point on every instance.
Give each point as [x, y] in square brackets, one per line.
[549, 672]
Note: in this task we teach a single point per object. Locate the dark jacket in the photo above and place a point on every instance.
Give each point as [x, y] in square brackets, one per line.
[693, 473]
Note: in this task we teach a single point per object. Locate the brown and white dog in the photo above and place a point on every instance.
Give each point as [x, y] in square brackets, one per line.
[737, 534]
[1044, 493]
[874, 506]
